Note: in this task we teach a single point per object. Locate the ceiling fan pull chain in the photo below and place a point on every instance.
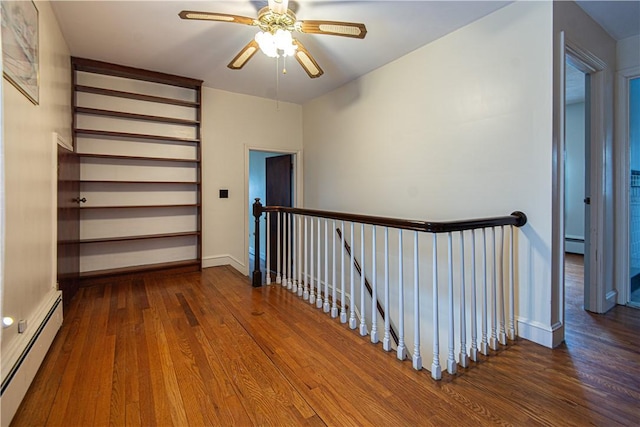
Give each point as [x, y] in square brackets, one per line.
[277, 83]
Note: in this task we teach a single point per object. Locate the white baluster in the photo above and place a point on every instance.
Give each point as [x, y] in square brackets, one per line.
[484, 345]
[463, 357]
[363, 310]
[343, 311]
[352, 307]
[326, 305]
[474, 325]
[374, 289]
[268, 246]
[319, 270]
[502, 337]
[417, 358]
[312, 291]
[334, 306]
[386, 341]
[278, 243]
[283, 277]
[512, 320]
[493, 340]
[436, 369]
[287, 251]
[294, 258]
[305, 292]
[451, 359]
[402, 349]
[299, 246]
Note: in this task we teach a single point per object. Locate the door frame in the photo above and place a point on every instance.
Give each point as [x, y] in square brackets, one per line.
[622, 177]
[596, 115]
[595, 299]
[297, 183]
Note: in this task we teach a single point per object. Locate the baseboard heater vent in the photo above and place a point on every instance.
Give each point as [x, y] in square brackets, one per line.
[19, 378]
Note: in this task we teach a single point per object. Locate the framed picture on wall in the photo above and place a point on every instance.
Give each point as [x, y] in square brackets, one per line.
[20, 46]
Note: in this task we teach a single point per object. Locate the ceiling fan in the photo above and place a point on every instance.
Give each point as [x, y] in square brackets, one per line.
[276, 23]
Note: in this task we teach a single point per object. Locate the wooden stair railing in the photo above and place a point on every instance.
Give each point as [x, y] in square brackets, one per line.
[483, 267]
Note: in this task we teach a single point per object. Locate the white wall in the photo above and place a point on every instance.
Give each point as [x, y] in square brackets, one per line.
[456, 129]
[628, 53]
[231, 125]
[574, 176]
[29, 273]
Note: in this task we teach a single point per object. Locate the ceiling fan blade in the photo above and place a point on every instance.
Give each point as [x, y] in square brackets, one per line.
[334, 28]
[218, 17]
[306, 61]
[244, 55]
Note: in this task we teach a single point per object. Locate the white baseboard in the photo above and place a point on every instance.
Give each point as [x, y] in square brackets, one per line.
[218, 260]
[548, 336]
[23, 363]
[574, 247]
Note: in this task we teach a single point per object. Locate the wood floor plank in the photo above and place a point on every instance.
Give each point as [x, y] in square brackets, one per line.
[206, 349]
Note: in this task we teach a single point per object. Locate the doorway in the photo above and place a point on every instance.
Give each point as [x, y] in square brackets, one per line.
[272, 180]
[68, 235]
[634, 191]
[577, 199]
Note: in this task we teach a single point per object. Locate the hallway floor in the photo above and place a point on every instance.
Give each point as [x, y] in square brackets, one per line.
[205, 349]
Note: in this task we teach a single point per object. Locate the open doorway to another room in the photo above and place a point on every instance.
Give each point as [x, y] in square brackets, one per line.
[634, 191]
[271, 179]
[576, 202]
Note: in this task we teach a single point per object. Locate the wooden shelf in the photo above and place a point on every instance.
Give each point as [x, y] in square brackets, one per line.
[194, 264]
[193, 205]
[140, 237]
[98, 181]
[109, 69]
[135, 136]
[118, 157]
[137, 96]
[133, 116]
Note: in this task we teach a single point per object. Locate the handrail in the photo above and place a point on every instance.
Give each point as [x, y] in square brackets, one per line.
[516, 218]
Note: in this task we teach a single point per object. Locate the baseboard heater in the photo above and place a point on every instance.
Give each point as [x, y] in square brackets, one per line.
[19, 378]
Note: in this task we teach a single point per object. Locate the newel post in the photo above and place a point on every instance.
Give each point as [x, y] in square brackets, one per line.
[257, 274]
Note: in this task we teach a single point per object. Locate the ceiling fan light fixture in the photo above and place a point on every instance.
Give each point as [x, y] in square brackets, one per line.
[276, 45]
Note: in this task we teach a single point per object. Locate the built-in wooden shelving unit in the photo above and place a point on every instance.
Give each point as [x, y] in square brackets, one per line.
[137, 134]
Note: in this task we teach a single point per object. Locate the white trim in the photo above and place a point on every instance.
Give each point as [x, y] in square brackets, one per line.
[54, 210]
[557, 196]
[59, 140]
[219, 260]
[622, 184]
[595, 298]
[541, 334]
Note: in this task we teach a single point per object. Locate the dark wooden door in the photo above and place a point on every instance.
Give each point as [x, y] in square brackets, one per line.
[68, 223]
[279, 193]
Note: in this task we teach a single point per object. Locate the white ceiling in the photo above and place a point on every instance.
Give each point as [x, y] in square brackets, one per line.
[621, 19]
[150, 35]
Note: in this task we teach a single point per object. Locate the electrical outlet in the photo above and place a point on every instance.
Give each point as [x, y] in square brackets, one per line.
[22, 326]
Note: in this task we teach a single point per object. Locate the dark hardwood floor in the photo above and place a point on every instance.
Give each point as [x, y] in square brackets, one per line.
[207, 349]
